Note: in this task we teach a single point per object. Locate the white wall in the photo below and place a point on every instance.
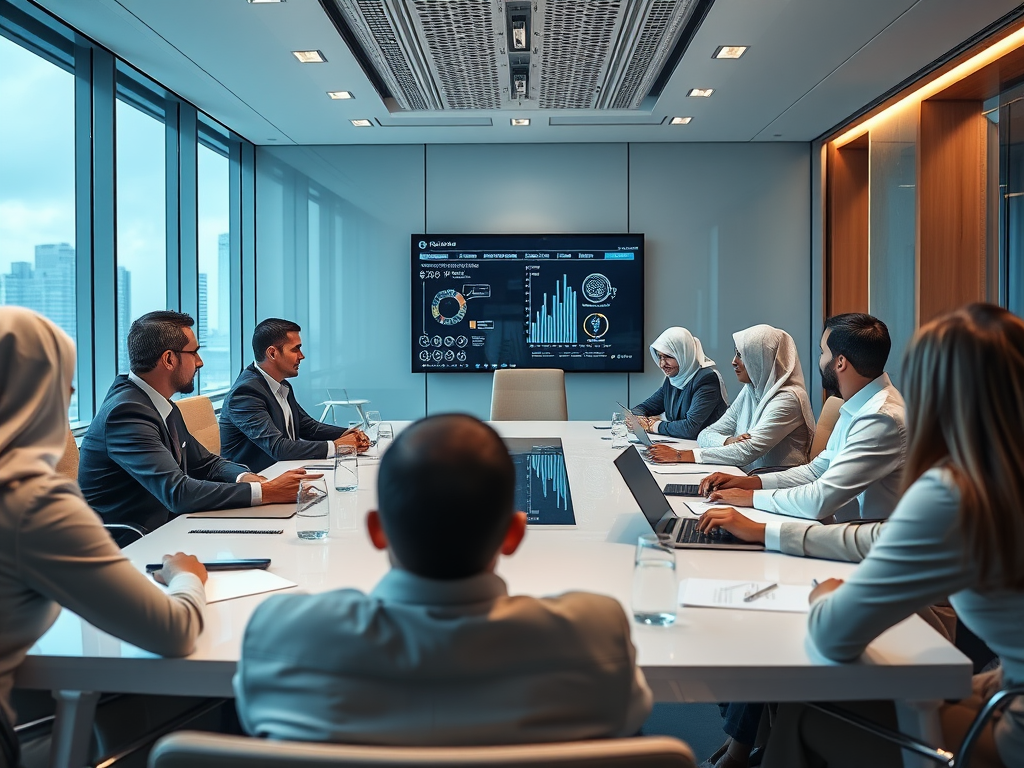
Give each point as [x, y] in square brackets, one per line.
[727, 230]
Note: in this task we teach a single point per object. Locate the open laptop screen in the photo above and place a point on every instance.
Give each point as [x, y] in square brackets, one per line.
[542, 485]
[645, 488]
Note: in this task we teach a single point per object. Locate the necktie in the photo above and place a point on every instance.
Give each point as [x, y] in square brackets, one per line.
[176, 428]
[289, 425]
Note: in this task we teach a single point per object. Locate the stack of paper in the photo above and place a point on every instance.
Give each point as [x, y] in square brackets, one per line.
[729, 593]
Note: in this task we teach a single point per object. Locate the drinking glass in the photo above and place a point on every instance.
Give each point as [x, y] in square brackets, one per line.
[619, 432]
[313, 509]
[655, 587]
[372, 423]
[346, 468]
[385, 436]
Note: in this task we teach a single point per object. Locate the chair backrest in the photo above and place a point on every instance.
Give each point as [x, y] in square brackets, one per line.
[190, 749]
[826, 423]
[529, 394]
[68, 464]
[201, 420]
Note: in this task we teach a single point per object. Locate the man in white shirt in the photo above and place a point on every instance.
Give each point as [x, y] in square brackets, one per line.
[261, 422]
[439, 653]
[863, 460]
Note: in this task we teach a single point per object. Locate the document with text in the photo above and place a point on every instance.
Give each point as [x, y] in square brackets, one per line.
[731, 593]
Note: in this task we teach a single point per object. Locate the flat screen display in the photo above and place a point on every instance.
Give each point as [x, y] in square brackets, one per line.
[484, 302]
[542, 485]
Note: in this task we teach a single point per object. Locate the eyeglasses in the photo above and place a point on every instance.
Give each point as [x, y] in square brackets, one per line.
[193, 352]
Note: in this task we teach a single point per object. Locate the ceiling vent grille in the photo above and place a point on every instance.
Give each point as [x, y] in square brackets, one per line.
[435, 55]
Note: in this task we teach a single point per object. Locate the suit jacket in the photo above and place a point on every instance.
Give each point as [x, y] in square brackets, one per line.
[688, 410]
[128, 471]
[252, 426]
[423, 662]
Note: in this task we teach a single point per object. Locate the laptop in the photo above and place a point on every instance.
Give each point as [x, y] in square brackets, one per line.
[638, 431]
[681, 531]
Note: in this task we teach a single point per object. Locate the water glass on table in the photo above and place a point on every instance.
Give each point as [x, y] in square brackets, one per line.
[655, 586]
[313, 509]
[619, 430]
[346, 468]
[385, 436]
[372, 423]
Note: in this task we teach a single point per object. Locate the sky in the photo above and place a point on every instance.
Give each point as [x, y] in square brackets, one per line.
[37, 183]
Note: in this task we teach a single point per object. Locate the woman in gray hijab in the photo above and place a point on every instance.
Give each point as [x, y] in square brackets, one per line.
[54, 550]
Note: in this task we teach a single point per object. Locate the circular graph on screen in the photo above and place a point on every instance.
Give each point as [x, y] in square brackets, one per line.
[597, 287]
[448, 307]
[595, 325]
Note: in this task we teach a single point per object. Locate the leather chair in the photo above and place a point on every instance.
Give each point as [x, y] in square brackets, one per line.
[826, 423]
[201, 421]
[187, 749]
[529, 394]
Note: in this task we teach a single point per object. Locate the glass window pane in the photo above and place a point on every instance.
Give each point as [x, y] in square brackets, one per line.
[214, 320]
[141, 221]
[37, 189]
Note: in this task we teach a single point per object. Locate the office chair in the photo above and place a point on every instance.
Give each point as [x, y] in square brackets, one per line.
[529, 394]
[826, 423]
[187, 749]
[201, 421]
[961, 759]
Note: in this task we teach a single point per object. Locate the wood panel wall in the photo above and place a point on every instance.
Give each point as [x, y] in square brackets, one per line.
[951, 199]
[846, 276]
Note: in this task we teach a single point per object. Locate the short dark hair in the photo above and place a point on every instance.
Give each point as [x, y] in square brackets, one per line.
[446, 495]
[862, 339]
[272, 332]
[153, 334]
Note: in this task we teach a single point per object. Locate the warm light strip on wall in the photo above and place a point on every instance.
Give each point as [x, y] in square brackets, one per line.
[994, 52]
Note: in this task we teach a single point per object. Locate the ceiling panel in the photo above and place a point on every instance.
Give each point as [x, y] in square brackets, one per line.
[811, 64]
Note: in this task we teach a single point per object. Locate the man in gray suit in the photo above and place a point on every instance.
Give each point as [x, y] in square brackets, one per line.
[439, 653]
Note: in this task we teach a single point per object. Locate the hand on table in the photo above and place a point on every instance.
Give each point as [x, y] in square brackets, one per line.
[665, 454]
[285, 487]
[824, 588]
[717, 481]
[737, 439]
[251, 477]
[740, 526]
[178, 563]
[356, 438]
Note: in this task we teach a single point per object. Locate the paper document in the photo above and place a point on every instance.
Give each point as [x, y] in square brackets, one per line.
[227, 585]
[729, 593]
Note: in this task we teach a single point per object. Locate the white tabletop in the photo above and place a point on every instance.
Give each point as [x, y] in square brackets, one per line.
[708, 655]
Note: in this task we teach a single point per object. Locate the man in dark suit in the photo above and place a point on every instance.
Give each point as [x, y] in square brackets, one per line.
[260, 420]
[139, 464]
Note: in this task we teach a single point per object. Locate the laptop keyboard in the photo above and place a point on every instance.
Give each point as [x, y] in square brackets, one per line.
[690, 535]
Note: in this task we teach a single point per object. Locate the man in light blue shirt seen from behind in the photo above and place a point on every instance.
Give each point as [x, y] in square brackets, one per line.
[863, 460]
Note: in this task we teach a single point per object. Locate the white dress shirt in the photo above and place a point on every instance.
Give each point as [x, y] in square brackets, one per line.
[280, 390]
[863, 460]
[163, 407]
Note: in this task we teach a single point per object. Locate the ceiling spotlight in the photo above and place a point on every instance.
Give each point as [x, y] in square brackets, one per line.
[702, 93]
[309, 57]
[520, 121]
[339, 94]
[729, 51]
[361, 123]
[680, 121]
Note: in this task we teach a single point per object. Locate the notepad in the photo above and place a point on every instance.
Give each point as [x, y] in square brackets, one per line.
[729, 593]
[227, 585]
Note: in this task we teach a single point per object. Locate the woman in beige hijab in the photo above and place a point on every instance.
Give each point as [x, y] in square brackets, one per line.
[771, 423]
[54, 551]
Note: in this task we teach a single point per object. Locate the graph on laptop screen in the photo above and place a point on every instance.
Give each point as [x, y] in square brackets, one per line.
[486, 302]
[542, 485]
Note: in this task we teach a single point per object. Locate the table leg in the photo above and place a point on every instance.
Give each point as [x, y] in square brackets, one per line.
[920, 720]
[327, 407]
[72, 728]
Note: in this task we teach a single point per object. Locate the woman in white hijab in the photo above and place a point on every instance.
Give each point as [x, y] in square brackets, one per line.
[54, 550]
[771, 423]
[693, 394]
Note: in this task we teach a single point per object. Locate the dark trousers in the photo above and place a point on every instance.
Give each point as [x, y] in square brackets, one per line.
[741, 720]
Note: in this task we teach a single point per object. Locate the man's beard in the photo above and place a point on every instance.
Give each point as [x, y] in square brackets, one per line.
[829, 380]
[186, 387]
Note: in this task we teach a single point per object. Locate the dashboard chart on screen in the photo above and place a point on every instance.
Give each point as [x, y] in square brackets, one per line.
[486, 302]
[542, 485]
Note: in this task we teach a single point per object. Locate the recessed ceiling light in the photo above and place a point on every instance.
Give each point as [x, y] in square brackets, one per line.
[702, 93]
[520, 121]
[309, 57]
[680, 121]
[340, 94]
[729, 51]
[361, 123]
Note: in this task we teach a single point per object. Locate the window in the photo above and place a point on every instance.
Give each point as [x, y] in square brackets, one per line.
[214, 322]
[141, 215]
[38, 268]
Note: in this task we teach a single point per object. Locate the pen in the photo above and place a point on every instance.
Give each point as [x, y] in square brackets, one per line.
[760, 593]
[814, 583]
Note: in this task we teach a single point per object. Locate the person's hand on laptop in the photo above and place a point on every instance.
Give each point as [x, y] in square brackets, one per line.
[285, 487]
[740, 526]
[665, 454]
[718, 481]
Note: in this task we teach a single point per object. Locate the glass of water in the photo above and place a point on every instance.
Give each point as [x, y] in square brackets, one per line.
[346, 468]
[372, 424]
[313, 509]
[385, 436]
[655, 587]
[619, 432]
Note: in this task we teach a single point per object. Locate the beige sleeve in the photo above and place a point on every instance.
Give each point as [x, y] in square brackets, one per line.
[67, 555]
[849, 542]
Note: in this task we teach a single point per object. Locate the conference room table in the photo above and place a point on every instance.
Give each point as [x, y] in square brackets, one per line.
[708, 655]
